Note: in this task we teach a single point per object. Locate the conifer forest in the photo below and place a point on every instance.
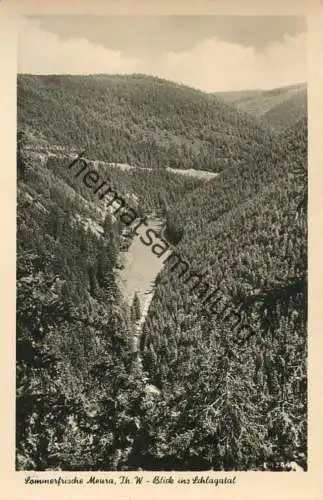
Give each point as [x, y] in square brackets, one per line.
[113, 373]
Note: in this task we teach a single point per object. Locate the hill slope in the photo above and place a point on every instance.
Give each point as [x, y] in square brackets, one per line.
[74, 331]
[281, 107]
[139, 120]
[229, 364]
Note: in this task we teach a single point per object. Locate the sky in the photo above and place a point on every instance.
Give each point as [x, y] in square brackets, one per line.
[211, 53]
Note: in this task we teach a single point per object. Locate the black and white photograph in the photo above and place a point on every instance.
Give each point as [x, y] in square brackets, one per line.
[161, 265]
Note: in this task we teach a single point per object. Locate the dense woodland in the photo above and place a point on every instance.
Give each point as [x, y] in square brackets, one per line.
[227, 400]
[246, 389]
[140, 120]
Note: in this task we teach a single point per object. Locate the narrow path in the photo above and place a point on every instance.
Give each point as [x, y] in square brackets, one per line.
[151, 388]
[141, 322]
[141, 267]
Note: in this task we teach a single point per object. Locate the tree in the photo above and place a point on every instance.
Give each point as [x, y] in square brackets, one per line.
[135, 309]
[21, 159]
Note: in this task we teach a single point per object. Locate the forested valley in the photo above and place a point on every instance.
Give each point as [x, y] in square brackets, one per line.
[223, 400]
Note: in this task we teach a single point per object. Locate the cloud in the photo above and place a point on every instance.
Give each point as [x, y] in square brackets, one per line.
[215, 65]
[41, 52]
[210, 65]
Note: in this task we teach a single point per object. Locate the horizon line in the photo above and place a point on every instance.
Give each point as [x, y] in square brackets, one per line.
[146, 75]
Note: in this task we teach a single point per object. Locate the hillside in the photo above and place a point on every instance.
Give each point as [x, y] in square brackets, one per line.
[280, 107]
[74, 329]
[148, 190]
[139, 120]
[245, 233]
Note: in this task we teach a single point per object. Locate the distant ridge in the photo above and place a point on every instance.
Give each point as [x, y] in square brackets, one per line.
[279, 107]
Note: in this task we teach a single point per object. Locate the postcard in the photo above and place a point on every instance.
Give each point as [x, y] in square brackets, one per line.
[161, 207]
